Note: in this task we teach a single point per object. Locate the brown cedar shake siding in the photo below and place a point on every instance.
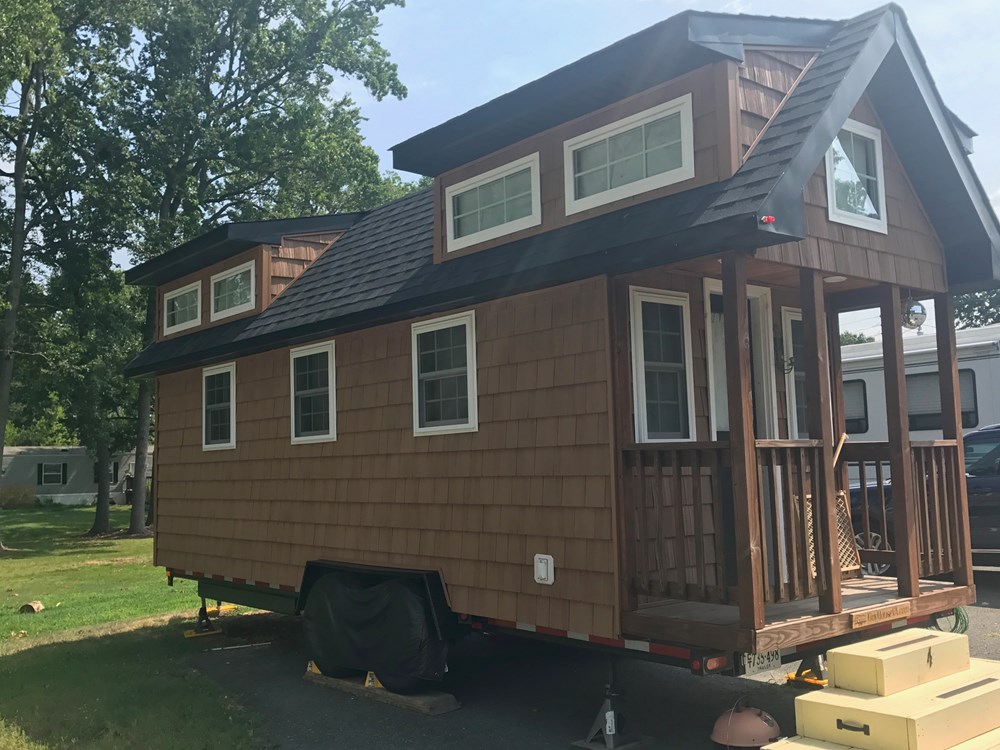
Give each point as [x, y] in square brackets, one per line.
[535, 478]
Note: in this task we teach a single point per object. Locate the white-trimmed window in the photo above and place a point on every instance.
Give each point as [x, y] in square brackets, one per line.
[793, 334]
[313, 393]
[855, 407]
[234, 290]
[648, 150]
[490, 205]
[219, 407]
[182, 308]
[50, 474]
[444, 375]
[662, 381]
[855, 179]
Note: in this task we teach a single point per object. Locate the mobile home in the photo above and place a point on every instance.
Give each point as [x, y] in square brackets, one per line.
[978, 352]
[548, 394]
[62, 475]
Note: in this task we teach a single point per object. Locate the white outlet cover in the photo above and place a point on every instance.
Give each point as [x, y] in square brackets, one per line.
[545, 570]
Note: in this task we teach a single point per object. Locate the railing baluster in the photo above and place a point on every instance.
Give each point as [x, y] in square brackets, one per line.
[642, 529]
[721, 571]
[659, 539]
[680, 544]
[697, 509]
[791, 527]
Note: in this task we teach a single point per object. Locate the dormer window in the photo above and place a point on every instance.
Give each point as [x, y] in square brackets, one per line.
[233, 291]
[182, 308]
[490, 205]
[648, 150]
[855, 179]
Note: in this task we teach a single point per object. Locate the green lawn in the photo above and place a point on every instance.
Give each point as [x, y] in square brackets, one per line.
[105, 665]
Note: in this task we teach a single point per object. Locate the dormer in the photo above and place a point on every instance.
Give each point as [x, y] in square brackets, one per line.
[234, 271]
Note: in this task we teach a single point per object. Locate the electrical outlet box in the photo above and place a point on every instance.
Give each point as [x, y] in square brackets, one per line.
[545, 570]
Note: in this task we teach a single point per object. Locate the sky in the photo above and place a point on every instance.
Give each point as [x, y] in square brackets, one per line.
[454, 55]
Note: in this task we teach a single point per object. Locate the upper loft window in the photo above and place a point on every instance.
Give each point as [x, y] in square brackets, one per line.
[182, 308]
[233, 291]
[490, 205]
[855, 179]
[643, 152]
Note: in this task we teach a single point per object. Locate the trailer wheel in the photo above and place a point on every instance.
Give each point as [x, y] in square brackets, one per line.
[318, 622]
[402, 685]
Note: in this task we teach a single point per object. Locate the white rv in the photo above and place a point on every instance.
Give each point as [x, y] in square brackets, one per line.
[978, 375]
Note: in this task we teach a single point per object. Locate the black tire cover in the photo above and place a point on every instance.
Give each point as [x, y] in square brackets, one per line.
[382, 627]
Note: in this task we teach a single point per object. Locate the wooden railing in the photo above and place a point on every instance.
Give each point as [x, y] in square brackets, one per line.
[788, 487]
[936, 468]
[676, 503]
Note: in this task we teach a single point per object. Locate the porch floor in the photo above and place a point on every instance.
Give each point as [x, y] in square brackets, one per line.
[786, 624]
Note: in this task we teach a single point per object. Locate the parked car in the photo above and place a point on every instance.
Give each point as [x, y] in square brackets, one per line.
[982, 478]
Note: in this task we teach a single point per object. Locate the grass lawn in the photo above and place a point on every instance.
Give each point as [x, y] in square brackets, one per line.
[105, 665]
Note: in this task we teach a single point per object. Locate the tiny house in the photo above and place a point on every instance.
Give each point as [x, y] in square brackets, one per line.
[552, 393]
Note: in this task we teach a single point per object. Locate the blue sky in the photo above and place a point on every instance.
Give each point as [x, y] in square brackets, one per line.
[456, 54]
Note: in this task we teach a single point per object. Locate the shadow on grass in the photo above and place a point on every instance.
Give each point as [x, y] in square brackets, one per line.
[56, 530]
[125, 690]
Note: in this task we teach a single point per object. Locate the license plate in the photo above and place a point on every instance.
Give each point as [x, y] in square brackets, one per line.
[755, 663]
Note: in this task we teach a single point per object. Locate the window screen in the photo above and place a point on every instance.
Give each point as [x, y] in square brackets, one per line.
[664, 371]
[218, 406]
[443, 376]
[923, 395]
[856, 407]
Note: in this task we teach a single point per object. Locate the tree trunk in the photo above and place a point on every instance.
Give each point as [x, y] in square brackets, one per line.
[29, 101]
[102, 519]
[137, 521]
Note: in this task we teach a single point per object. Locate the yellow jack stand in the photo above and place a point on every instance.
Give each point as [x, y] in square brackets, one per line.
[205, 626]
[371, 681]
[811, 674]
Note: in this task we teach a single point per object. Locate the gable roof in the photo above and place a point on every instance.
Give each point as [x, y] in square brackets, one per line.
[228, 240]
[382, 269]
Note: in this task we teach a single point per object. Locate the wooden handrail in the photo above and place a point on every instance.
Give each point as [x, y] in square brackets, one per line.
[679, 445]
[933, 443]
[788, 443]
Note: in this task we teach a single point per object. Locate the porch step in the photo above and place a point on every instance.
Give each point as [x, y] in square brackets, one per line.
[988, 741]
[933, 716]
[898, 661]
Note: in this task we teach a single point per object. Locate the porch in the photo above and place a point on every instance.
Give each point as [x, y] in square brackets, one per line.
[756, 543]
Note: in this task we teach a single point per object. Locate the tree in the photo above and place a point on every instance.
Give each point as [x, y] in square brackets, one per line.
[847, 338]
[30, 42]
[977, 309]
[223, 110]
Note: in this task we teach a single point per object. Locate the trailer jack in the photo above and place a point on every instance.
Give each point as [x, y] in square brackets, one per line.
[608, 730]
[810, 674]
[204, 626]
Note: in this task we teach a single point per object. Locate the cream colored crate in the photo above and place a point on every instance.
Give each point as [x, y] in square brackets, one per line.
[935, 716]
[988, 741]
[898, 661]
[804, 743]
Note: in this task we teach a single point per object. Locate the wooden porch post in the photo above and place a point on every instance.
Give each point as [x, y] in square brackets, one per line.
[903, 488]
[746, 502]
[951, 425]
[837, 391]
[820, 411]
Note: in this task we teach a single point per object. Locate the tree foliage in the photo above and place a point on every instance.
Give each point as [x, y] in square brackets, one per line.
[977, 309]
[848, 337]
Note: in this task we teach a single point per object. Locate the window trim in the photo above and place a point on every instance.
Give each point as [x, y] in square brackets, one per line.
[880, 225]
[468, 318]
[229, 312]
[686, 171]
[454, 243]
[206, 372]
[62, 473]
[864, 403]
[329, 347]
[638, 295]
[167, 296]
